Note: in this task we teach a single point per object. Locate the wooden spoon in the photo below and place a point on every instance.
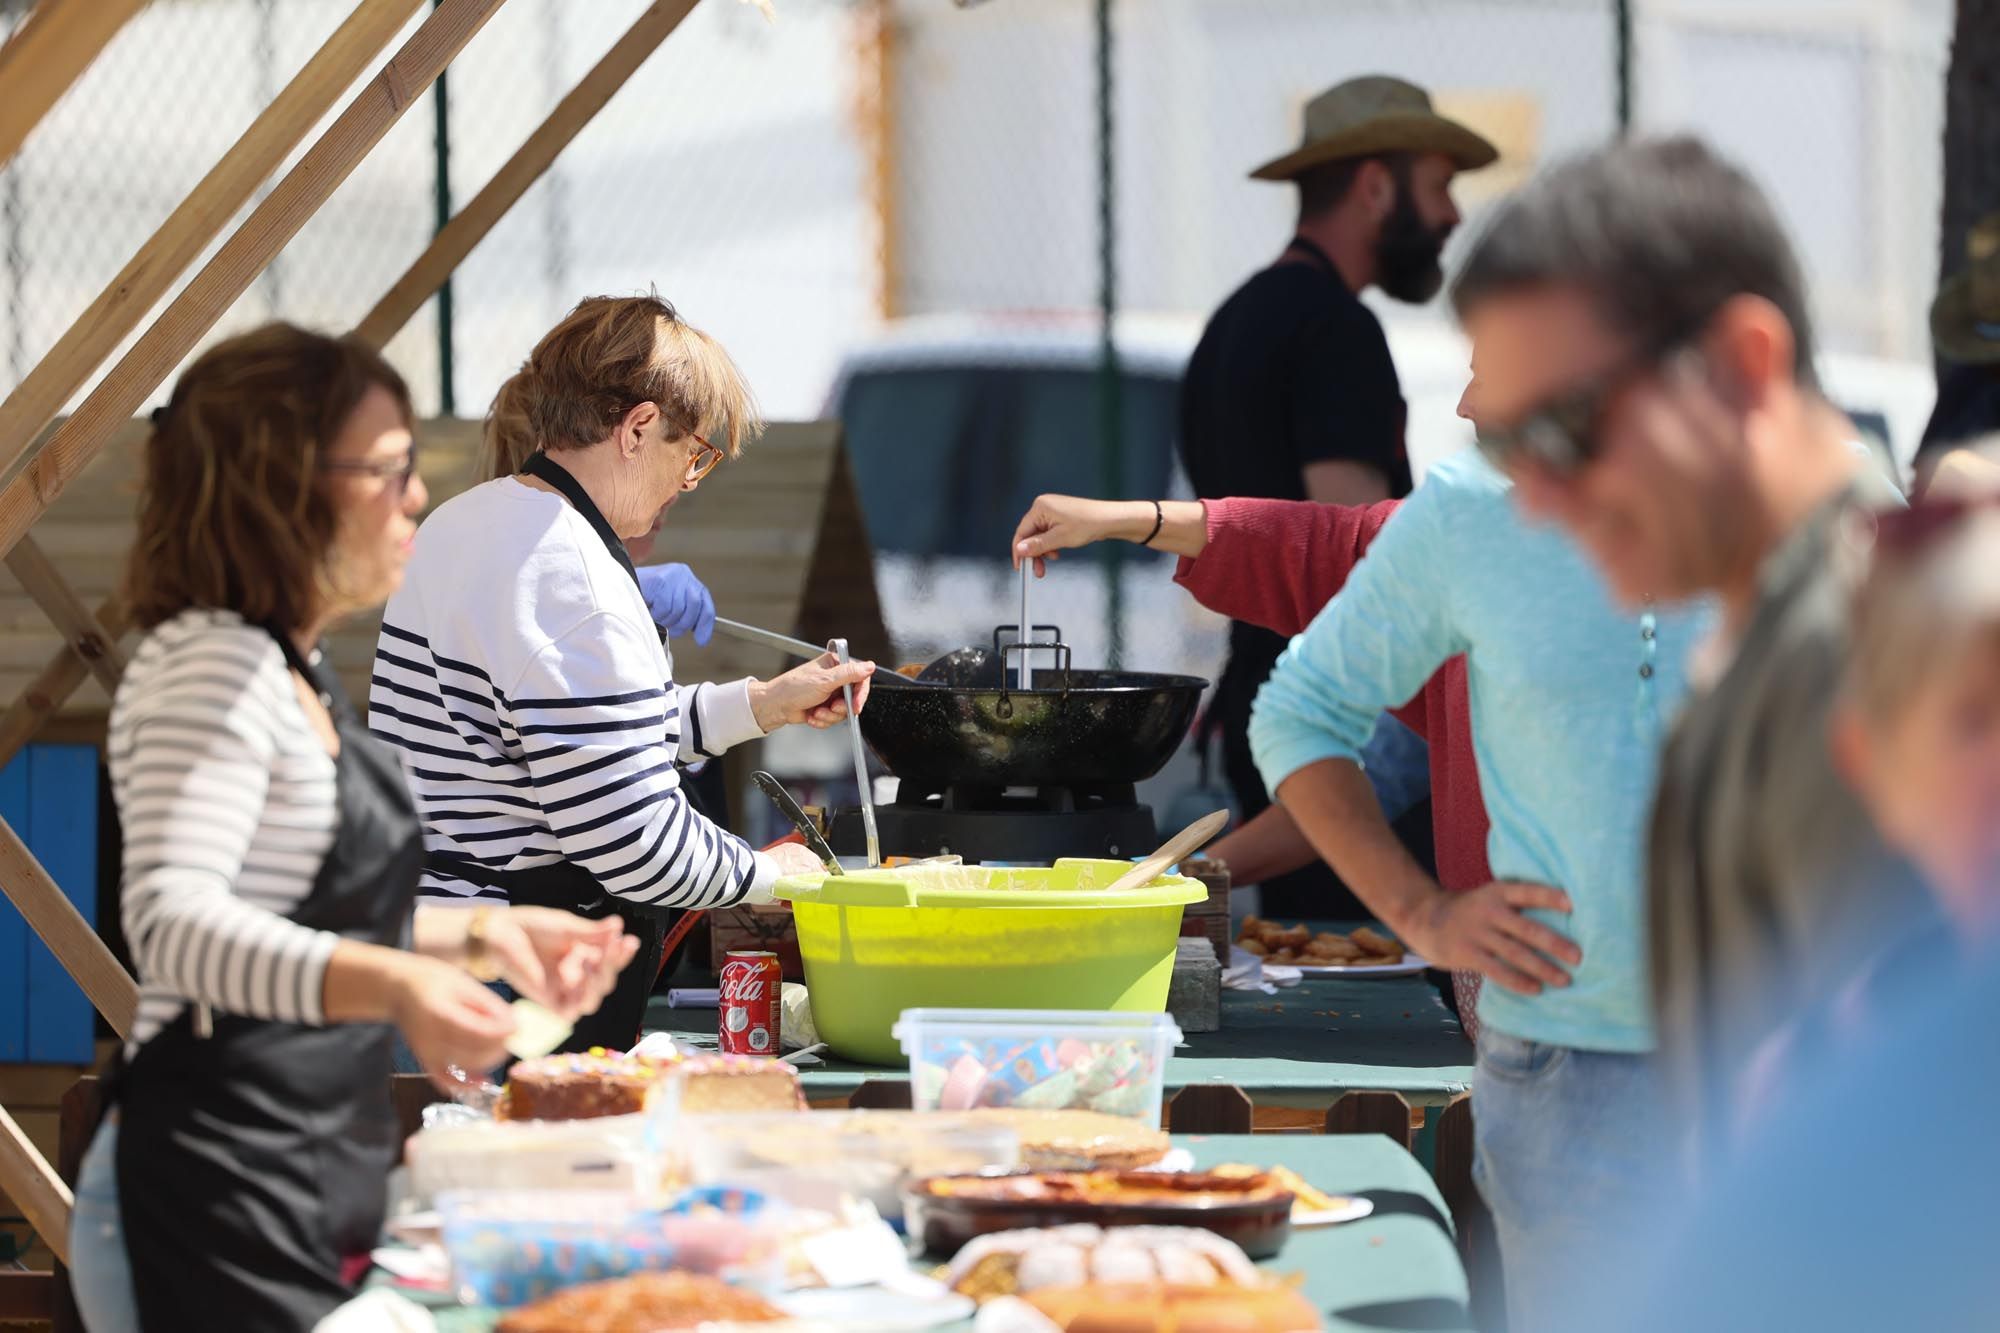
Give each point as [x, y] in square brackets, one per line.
[1177, 848]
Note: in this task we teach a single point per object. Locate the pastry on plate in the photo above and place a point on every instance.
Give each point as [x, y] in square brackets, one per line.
[647, 1303]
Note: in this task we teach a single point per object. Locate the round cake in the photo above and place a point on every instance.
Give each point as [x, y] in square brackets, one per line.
[581, 1085]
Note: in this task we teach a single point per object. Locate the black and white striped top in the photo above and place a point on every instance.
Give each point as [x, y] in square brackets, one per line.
[226, 794]
[521, 679]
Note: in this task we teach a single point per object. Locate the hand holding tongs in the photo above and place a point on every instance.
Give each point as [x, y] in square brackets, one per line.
[838, 647]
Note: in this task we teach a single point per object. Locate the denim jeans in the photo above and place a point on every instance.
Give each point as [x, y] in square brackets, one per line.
[99, 1271]
[1568, 1150]
[1398, 764]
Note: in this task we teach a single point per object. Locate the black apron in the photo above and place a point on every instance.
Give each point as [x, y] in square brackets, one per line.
[253, 1161]
[570, 887]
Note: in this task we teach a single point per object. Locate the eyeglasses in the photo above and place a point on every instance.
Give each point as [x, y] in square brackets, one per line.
[704, 459]
[396, 472]
[1562, 436]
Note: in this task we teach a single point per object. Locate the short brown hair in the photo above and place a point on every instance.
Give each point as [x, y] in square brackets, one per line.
[231, 513]
[604, 358]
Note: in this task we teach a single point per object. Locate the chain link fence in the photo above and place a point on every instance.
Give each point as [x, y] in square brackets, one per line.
[890, 208]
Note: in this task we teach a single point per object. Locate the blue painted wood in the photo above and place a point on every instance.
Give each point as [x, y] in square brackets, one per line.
[62, 833]
[14, 932]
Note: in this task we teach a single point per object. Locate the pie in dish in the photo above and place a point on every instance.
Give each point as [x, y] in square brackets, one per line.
[647, 1303]
[1172, 1189]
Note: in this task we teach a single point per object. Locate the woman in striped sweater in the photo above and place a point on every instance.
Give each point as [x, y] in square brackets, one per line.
[524, 682]
[271, 859]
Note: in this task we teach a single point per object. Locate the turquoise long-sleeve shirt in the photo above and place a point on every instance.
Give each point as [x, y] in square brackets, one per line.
[1571, 701]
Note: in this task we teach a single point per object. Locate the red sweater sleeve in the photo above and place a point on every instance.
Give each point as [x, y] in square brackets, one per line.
[1275, 563]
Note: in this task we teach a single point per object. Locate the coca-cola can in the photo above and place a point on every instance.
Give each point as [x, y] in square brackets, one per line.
[749, 1002]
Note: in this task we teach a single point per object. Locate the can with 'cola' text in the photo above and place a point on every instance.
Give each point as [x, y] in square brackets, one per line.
[749, 1003]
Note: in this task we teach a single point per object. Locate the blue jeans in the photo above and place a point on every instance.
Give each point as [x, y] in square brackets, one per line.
[99, 1270]
[1568, 1150]
[1398, 764]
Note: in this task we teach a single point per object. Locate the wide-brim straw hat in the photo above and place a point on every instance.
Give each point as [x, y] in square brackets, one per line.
[1377, 114]
[1965, 318]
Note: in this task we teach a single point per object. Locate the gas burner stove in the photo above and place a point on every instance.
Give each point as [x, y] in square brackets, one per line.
[1031, 825]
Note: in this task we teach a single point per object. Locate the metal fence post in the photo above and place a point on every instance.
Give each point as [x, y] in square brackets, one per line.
[1110, 383]
[441, 198]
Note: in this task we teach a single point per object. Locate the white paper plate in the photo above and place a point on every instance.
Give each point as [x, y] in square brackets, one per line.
[1355, 1210]
[889, 1310]
[1409, 967]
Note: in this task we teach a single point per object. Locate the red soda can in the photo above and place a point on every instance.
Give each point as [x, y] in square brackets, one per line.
[749, 1003]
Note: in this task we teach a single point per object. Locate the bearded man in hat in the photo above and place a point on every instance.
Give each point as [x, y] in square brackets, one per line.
[1292, 395]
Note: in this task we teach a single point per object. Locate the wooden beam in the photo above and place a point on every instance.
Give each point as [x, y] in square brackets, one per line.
[290, 204]
[60, 926]
[220, 195]
[457, 238]
[53, 46]
[83, 636]
[34, 1187]
[45, 695]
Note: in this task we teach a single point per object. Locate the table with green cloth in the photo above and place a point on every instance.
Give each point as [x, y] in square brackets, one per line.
[1301, 1047]
[1396, 1269]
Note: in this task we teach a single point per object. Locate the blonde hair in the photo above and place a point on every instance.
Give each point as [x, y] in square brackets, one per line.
[1918, 611]
[231, 512]
[605, 357]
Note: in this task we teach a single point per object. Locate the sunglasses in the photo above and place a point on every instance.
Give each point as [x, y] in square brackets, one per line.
[1564, 435]
[396, 472]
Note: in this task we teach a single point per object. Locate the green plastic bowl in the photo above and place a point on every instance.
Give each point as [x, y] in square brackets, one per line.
[877, 942]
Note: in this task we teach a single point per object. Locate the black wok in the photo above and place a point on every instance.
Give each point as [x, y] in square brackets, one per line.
[961, 724]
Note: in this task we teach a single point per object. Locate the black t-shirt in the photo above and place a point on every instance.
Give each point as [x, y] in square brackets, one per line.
[1293, 369]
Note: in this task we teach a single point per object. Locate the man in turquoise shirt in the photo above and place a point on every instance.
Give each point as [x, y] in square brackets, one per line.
[1571, 700]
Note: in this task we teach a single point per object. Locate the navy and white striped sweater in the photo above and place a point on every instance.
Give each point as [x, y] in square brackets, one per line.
[521, 680]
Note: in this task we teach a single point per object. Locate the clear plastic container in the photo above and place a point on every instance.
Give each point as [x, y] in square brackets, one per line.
[816, 1160]
[1045, 1060]
[624, 1153]
[508, 1247]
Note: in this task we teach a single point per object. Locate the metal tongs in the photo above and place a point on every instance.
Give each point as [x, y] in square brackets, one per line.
[838, 647]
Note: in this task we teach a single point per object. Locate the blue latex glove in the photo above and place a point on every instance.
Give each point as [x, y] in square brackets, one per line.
[678, 601]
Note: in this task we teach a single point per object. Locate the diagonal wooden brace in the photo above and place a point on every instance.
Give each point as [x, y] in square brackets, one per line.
[82, 634]
[69, 937]
[47, 54]
[219, 196]
[27, 1178]
[404, 298]
[272, 223]
[456, 239]
[54, 684]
